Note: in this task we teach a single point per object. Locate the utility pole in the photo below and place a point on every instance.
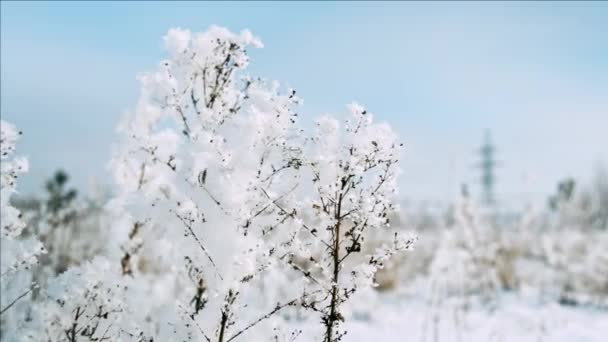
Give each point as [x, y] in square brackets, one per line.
[487, 165]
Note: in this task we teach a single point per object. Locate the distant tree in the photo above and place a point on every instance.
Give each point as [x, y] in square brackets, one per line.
[59, 196]
[565, 192]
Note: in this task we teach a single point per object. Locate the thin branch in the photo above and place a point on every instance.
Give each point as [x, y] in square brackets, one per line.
[200, 243]
[210, 195]
[306, 274]
[15, 301]
[383, 178]
[348, 213]
[266, 316]
[141, 180]
[197, 325]
[311, 231]
[178, 108]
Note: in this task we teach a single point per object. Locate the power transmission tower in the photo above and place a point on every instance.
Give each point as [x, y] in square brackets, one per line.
[487, 166]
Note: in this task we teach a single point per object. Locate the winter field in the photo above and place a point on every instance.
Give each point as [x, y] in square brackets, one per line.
[514, 319]
[230, 217]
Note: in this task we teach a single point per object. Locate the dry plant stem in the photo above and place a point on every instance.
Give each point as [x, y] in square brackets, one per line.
[223, 322]
[332, 320]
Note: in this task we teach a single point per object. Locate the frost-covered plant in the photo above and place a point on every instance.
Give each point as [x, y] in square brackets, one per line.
[583, 208]
[575, 263]
[351, 173]
[84, 303]
[221, 198]
[206, 155]
[465, 260]
[222, 189]
[19, 253]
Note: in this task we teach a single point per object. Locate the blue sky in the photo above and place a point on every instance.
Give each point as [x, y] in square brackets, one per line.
[536, 74]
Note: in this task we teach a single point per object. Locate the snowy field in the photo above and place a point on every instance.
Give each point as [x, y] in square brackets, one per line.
[514, 318]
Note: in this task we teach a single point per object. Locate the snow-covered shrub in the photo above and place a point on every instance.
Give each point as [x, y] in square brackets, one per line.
[581, 207]
[574, 266]
[220, 189]
[208, 156]
[81, 304]
[351, 181]
[465, 261]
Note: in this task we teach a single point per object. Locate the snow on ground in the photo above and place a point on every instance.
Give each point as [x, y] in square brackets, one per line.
[512, 318]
